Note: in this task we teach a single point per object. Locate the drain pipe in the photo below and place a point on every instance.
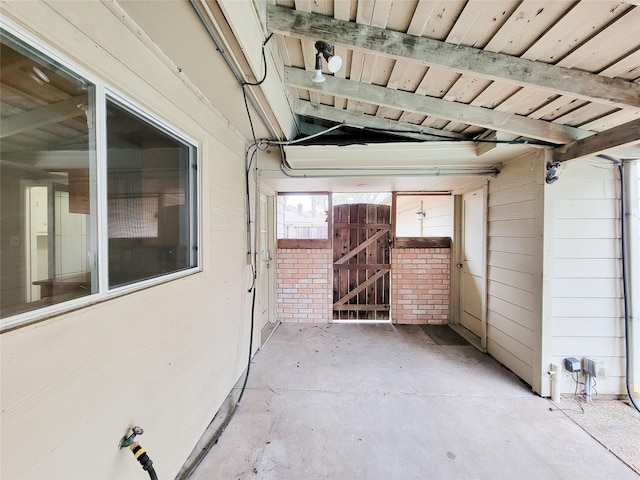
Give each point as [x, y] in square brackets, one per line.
[631, 276]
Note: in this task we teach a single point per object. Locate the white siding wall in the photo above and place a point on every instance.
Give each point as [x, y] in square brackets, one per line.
[586, 309]
[515, 266]
[165, 357]
[438, 220]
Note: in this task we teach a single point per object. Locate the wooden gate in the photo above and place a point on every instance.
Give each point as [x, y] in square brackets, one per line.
[361, 262]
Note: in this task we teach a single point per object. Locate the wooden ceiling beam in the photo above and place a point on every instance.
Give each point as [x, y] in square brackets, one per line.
[41, 116]
[452, 111]
[409, 130]
[459, 58]
[616, 137]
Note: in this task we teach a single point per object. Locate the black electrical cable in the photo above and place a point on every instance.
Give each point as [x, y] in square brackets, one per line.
[264, 65]
[248, 161]
[246, 106]
[226, 58]
[249, 158]
[214, 440]
[625, 285]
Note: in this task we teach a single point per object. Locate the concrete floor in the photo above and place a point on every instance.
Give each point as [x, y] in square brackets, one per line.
[372, 402]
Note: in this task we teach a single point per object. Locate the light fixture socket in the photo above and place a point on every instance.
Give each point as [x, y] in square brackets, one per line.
[318, 77]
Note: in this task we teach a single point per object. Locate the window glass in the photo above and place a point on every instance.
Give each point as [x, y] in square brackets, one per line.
[49, 206]
[303, 216]
[47, 187]
[150, 199]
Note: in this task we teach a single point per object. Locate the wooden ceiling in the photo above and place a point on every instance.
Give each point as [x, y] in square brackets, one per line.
[550, 72]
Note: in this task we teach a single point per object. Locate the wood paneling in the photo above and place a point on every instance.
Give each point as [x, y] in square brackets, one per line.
[361, 257]
[561, 63]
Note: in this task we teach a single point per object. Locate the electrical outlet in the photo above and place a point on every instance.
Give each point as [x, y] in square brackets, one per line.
[572, 364]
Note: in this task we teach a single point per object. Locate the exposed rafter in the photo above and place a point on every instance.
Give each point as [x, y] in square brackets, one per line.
[621, 136]
[410, 130]
[459, 58]
[38, 117]
[483, 117]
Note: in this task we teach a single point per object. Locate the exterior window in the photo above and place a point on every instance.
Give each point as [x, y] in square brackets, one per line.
[150, 199]
[47, 222]
[303, 220]
[52, 249]
[304, 216]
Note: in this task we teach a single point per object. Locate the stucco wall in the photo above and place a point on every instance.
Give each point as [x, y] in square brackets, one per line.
[72, 385]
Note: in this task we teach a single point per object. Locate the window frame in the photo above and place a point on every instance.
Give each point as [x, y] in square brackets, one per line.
[103, 92]
[415, 242]
[306, 242]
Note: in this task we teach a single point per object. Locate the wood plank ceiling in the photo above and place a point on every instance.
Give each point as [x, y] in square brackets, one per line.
[553, 72]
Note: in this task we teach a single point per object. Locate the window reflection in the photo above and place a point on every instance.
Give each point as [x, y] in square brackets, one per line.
[47, 154]
[149, 206]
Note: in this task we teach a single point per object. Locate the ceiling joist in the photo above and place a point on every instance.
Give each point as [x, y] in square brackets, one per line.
[409, 130]
[430, 106]
[38, 117]
[621, 136]
[459, 58]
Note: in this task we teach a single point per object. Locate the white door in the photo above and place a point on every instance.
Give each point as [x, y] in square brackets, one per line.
[38, 267]
[473, 264]
[265, 314]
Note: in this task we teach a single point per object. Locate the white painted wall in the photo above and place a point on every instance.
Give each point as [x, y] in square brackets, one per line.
[514, 269]
[165, 357]
[438, 219]
[586, 308]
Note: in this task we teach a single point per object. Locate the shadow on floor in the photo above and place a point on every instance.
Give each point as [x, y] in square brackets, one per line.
[382, 402]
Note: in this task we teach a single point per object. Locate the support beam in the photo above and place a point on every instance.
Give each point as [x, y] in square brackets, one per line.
[410, 130]
[457, 112]
[41, 116]
[621, 136]
[459, 58]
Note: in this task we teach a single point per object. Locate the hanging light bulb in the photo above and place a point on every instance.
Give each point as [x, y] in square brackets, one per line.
[318, 77]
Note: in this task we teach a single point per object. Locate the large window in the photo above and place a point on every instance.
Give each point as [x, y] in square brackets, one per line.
[150, 199]
[60, 241]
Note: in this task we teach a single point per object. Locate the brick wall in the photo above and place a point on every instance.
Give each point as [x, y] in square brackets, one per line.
[304, 285]
[420, 285]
